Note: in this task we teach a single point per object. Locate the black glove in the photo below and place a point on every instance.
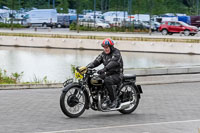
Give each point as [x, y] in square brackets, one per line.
[91, 65]
[101, 71]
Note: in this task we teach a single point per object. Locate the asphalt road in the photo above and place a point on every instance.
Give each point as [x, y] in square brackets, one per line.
[166, 108]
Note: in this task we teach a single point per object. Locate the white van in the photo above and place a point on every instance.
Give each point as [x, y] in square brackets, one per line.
[141, 17]
[115, 18]
[42, 17]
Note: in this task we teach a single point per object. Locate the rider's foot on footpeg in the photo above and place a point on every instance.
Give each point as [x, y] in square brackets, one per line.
[113, 104]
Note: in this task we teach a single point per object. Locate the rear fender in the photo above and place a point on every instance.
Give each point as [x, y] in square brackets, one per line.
[138, 88]
[75, 84]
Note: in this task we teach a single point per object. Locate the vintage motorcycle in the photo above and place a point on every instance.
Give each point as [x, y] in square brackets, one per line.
[89, 92]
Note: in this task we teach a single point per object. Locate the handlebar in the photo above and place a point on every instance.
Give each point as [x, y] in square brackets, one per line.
[91, 71]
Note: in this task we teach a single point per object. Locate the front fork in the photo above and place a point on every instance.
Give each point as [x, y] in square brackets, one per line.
[99, 102]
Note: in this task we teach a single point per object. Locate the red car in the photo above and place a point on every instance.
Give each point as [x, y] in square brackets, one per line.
[170, 27]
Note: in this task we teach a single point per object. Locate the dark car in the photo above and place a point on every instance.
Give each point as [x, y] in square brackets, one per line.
[195, 21]
[170, 27]
[136, 24]
[62, 21]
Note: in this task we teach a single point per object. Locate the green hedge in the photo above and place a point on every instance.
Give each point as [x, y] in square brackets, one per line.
[112, 29]
[15, 78]
[3, 25]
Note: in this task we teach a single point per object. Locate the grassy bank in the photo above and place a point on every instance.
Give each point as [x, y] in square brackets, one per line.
[4, 25]
[15, 78]
[146, 39]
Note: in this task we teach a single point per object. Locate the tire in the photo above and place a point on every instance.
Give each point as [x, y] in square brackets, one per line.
[44, 25]
[135, 99]
[186, 32]
[99, 28]
[59, 25]
[164, 32]
[70, 101]
[192, 34]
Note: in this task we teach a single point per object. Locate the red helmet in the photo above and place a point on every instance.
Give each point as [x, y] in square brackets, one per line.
[109, 42]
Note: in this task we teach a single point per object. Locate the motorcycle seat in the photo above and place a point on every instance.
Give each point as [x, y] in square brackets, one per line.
[129, 76]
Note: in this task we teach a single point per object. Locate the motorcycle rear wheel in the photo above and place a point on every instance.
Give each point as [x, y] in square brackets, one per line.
[134, 99]
[73, 102]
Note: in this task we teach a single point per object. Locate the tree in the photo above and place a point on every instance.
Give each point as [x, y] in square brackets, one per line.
[189, 7]
[12, 4]
[2, 3]
[62, 6]
[191, 4]
[72, 4]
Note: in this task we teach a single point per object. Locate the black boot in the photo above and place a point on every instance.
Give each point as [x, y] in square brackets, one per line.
[112, 94]
[113, 104]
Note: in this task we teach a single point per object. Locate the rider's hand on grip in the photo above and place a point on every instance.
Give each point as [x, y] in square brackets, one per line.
[101, 71]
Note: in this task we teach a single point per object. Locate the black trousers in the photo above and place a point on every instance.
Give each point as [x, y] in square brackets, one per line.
[110, 83]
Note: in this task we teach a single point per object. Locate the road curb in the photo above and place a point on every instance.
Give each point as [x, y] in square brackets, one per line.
[146, 76]
[168, 82]
[143, 80]
[60, 85]
[164, 70]
[30, 86]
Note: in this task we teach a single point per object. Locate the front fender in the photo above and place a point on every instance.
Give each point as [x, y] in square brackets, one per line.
[75, 84]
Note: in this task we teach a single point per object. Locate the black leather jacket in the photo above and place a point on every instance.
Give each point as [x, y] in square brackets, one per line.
[112, 62]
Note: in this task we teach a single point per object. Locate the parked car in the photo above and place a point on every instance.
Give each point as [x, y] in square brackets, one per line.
[42, 17]
[97, 24]
[63, 21]
[195, 20]
[154, 25]
[136, 24]
[170, 27]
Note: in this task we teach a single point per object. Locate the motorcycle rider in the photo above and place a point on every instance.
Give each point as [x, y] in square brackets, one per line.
[113, 68]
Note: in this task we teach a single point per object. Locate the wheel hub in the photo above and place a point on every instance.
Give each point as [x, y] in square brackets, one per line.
[72, 100]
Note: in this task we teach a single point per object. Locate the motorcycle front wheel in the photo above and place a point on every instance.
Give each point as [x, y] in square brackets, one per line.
[73, 102]
[132, 96]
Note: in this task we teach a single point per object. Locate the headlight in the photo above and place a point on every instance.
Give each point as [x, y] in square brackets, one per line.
[78, 75]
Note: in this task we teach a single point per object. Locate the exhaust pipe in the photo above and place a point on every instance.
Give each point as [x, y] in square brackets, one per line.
[99, 104]
[122, 106]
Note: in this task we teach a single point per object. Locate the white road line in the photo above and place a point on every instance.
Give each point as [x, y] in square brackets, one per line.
[123, 126]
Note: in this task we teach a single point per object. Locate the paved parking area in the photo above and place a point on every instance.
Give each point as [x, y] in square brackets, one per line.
[97, 33]
[166, 108]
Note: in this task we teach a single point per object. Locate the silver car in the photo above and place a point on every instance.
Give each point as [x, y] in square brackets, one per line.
[99, 24]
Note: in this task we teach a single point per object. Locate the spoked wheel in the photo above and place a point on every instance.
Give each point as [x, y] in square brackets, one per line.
[73, 102]
[130, 94]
